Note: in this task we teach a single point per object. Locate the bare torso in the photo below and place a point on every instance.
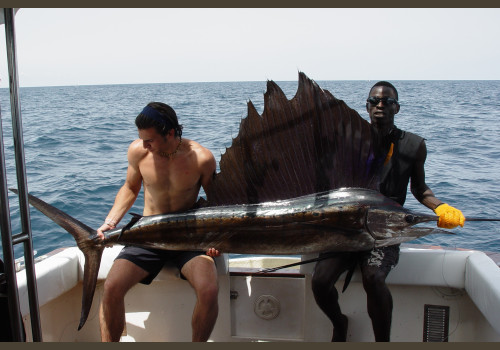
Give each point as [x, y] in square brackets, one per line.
[171, 184]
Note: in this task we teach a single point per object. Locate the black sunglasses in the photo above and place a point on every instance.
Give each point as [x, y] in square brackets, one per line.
[385, 100]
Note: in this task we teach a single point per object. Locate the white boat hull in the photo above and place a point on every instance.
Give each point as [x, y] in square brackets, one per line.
[277, 306]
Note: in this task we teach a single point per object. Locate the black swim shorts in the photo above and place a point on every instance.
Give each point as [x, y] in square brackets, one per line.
[153, 260]
[382, 258]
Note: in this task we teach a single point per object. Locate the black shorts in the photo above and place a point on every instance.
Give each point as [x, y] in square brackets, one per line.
[153, 260]
[383, 258]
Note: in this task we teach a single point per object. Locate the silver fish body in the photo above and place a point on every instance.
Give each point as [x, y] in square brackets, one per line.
[347, 219]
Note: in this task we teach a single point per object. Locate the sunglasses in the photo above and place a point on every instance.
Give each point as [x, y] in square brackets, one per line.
[385, 100]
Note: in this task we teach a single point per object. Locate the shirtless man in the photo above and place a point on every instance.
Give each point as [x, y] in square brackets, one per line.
[406, 154]
[172, 170]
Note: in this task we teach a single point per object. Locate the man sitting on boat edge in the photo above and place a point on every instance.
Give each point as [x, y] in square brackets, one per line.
[172, 170]
[406, 155]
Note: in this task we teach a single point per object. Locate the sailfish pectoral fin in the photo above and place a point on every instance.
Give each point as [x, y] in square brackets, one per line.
[135, 218]
[348, 276]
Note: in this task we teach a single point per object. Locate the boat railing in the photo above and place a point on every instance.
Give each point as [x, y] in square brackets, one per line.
[25, 237]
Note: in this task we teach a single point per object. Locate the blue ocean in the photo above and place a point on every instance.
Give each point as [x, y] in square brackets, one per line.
[76, 140]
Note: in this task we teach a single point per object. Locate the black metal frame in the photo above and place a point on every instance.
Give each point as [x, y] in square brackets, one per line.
[8, 240]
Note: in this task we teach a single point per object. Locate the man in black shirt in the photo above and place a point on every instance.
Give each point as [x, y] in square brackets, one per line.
[406, 154]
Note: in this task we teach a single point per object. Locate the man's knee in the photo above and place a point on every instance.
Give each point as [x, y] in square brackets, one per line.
[318, 283]
[113, 289]
[123, 276]
[374, 280]
[325, 275]
[208, 292]
[323, 288]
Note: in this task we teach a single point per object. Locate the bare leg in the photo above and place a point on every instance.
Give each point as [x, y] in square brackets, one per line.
[379, 302]
[122, 276]
[326, 274]
[202, 275]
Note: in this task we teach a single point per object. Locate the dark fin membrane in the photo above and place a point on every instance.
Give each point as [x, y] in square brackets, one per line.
[348, 276]
[90, 274]
[77, 229]
[90, 249]
[135, 218]
[309, 144]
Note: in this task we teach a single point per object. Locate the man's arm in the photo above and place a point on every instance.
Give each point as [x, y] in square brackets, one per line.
[418, 187]
[449, 217]
[127, 194]
[208, 168]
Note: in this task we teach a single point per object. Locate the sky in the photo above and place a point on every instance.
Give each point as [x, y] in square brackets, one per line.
[58, 47]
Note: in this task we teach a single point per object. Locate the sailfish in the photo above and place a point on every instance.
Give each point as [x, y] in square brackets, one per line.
[300, 178]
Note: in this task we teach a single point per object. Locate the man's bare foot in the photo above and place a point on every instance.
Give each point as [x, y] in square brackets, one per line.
[340, 331]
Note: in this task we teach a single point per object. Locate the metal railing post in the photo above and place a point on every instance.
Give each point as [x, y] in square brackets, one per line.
[25, 237]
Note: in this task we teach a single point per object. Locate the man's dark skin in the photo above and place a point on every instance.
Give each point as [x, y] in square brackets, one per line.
[327, 272]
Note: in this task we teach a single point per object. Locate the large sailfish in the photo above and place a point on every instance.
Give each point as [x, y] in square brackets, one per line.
[300, 178]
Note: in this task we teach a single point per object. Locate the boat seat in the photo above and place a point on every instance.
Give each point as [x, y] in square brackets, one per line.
[54, 277]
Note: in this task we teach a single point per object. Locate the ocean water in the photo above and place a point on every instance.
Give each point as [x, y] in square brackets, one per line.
[76, 139]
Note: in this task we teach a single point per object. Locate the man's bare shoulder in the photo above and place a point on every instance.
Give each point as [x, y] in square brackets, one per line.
[136, 151]
[204, 158]
[199, 149]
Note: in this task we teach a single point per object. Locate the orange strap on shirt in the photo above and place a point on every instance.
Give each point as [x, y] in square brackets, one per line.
[389, 155]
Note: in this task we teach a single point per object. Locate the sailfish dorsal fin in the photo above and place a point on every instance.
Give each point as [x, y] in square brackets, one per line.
[309, 144]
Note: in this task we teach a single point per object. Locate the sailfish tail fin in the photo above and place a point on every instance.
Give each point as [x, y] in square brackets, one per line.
[91, 249]
[90, 273]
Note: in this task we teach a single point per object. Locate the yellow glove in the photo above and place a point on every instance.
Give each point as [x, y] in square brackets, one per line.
[449, 217]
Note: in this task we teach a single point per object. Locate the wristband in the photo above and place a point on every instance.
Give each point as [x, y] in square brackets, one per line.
[110, 223]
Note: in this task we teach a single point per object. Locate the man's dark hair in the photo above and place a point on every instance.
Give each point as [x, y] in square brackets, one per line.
[166, 120]
[386, 84]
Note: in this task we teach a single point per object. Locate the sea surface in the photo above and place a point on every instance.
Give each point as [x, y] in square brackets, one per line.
[76, 140]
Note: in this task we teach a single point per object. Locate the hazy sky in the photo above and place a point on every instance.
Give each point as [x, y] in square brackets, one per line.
[121, 46]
